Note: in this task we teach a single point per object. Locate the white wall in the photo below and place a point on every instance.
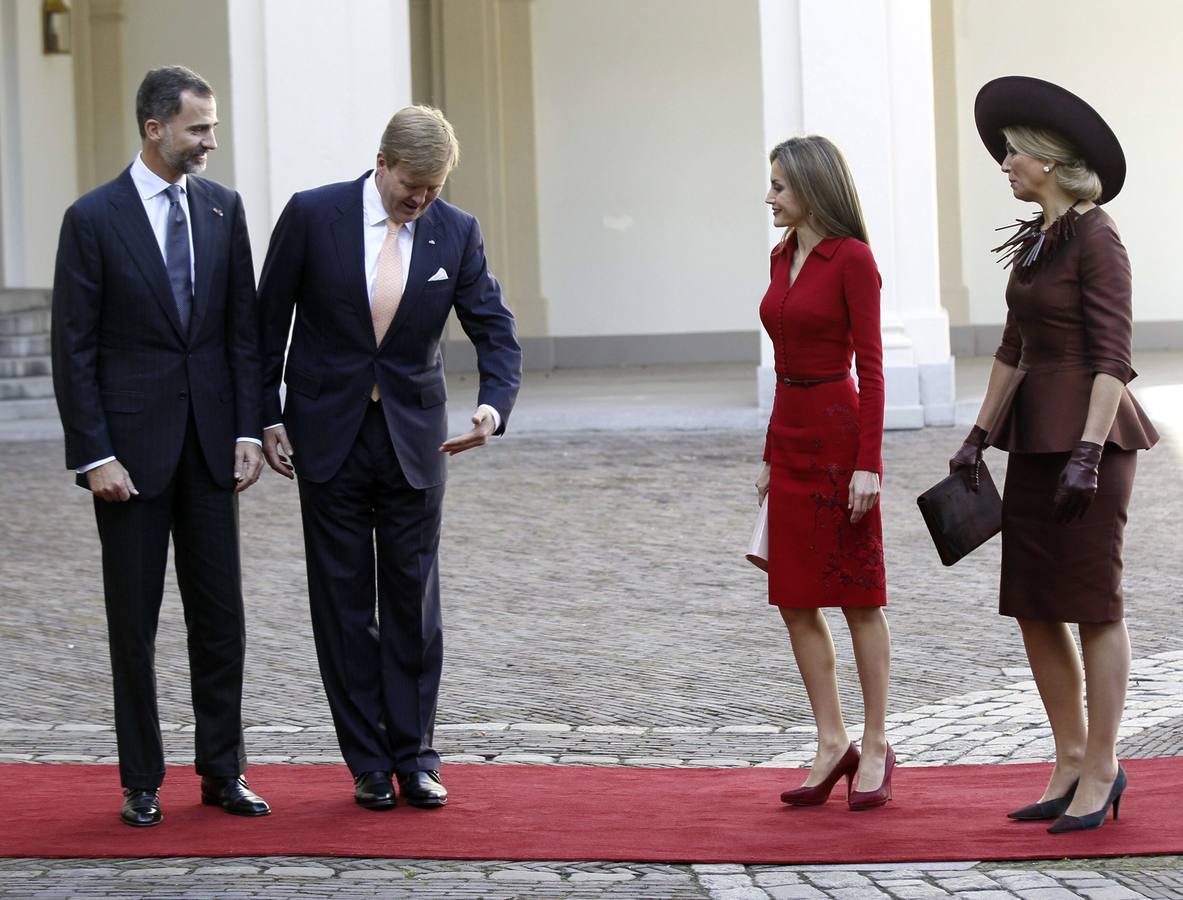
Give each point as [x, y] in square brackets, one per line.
[651, 166]
[1123, 60]
[38, 161]
[780, 58]
[314, 85]
[180, 32]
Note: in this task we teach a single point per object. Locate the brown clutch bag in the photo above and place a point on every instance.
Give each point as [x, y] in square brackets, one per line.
[960, 519]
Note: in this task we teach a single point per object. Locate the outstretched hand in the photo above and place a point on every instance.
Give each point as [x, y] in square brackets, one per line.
[482, 427]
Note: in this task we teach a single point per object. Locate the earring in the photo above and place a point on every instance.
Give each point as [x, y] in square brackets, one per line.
[1047, 168]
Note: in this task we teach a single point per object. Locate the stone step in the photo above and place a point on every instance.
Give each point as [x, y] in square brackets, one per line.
[36, 388]
[24, 345]
[35, 408]
[27, 321]
[25, 366]
[19, 299]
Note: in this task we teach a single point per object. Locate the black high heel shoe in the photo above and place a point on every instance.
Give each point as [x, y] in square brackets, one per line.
[1094, 819]
[1045, 809]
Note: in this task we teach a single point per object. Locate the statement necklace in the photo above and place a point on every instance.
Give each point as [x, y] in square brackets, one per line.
[1031, 246]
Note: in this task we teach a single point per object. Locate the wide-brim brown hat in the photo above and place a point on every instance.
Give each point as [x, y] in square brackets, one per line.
[1020, 100]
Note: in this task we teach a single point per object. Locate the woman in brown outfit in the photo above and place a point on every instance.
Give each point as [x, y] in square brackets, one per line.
[1057, 403]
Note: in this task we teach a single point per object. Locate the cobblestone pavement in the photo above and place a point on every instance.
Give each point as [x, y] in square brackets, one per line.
[620, 625]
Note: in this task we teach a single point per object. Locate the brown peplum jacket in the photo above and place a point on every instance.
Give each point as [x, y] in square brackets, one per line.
[1067, 323]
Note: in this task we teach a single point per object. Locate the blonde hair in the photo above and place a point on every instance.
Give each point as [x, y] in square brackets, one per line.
[422, 139]
[1072, 170]
[820, 179]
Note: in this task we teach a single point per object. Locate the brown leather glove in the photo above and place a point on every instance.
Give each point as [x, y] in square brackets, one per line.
[970, 455]
[1078, 483]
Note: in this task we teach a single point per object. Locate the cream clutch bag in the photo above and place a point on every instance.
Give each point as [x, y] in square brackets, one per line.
[758, 546]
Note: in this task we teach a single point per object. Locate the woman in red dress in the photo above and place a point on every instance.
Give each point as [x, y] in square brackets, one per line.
[822, 459]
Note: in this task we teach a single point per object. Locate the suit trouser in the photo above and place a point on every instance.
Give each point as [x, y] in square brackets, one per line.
[381, 674]
[203, 520]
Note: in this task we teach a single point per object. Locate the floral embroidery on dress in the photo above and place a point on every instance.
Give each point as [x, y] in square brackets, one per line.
[827, 505]
[857, 560]
[861, 569]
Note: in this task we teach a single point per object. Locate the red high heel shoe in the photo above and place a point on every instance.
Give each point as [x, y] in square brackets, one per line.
[870, 799]
[818, 794]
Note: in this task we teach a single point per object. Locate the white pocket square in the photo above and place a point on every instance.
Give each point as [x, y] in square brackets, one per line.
[440, 275]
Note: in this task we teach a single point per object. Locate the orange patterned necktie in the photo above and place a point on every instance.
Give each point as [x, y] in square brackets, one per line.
[388, 286]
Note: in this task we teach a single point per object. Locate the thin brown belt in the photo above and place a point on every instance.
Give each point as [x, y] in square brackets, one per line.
[811, 382]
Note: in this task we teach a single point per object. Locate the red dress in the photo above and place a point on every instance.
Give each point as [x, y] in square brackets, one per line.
[819, 435]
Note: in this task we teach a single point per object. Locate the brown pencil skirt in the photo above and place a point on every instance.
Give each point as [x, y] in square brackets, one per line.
[1063, 573]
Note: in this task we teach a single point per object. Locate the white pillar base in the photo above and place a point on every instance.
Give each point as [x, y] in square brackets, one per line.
[901, 378]
[901, 384]
[938, 392]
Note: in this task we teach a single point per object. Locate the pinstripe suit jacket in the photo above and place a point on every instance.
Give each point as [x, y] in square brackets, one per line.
[315, 268]
[126, 374]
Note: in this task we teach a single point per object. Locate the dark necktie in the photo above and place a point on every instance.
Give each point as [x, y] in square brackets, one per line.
[176, 256]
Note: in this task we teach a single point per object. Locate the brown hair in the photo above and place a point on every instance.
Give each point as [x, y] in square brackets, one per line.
[820, 179]
[159, 95]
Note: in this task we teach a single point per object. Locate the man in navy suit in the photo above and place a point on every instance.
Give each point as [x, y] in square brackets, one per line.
[156, 372]
[372, 268]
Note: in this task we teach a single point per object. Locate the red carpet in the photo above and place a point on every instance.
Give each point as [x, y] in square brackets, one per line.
[589, 813]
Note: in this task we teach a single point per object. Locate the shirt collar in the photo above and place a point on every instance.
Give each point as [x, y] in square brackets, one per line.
[148, 183]
[826, 247]
[372, 208]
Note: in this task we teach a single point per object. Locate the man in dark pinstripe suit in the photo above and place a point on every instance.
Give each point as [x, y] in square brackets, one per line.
[156, 372]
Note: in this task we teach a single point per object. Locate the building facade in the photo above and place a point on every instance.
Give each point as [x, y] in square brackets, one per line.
[616, 152]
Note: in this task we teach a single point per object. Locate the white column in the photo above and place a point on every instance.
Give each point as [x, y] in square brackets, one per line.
[780, 54]
[313, 86]
[9, 174]
[867, 85]
[38, 161]
[914, 174]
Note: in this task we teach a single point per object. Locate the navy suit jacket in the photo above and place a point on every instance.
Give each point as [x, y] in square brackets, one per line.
[316, 266]
[124, 371]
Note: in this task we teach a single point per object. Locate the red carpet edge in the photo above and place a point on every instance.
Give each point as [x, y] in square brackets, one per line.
[568, 813]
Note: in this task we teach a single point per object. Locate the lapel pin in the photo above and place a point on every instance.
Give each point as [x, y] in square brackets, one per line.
[431, 240]
[217, 212]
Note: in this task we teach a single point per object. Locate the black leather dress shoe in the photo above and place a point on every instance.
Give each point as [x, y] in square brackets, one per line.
[141, 807]
[374, 790]
[423, 789]
[232, 795]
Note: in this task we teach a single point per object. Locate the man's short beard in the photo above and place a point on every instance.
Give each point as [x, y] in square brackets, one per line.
[192, 166]
[188, 164]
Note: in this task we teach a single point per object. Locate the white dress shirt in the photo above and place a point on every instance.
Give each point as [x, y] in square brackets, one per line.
[374, 218]
[152, 190]
[153, 193]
